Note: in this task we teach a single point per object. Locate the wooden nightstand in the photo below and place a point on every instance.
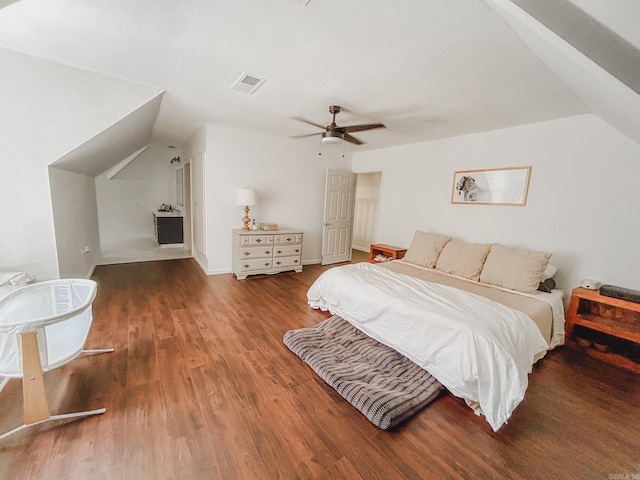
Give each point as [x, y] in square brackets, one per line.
[595, 315]
[392, 253]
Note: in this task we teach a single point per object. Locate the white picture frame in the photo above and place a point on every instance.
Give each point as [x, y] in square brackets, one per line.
[491, 186]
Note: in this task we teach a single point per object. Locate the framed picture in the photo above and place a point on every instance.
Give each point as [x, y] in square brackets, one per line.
[493, 186]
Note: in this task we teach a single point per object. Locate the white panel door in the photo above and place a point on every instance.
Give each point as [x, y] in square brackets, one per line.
[338, 217]
[198, 195]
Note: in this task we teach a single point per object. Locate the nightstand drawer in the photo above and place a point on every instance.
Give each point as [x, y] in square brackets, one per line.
[256, 252]
[255, 264]
[287, 250]
[286, 262]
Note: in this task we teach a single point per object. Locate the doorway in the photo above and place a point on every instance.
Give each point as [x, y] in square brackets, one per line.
[366, 214]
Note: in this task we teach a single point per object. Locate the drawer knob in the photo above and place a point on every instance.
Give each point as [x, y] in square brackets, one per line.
[279, 251]
[247, 254]
[267, 252]
[266, 264]
[288, 239]
[246, 266]
[278, 263]
[295, 261]
[297, 250]
[258, 240]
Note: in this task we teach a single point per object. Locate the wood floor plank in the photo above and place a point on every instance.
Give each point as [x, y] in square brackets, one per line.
[178, 397]
[142, 362]
[148, 452]
[340, 469]
[201, 386]
[270, 435]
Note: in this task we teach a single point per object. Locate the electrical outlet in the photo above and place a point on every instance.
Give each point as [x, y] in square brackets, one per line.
[85, 250]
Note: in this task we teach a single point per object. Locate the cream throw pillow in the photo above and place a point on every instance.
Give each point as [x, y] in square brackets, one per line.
[463, 259]
[515, 269]
[425, 249]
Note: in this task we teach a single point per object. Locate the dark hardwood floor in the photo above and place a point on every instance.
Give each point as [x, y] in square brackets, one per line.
[201, 387]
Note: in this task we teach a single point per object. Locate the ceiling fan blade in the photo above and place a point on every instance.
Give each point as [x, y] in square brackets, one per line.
[352, 139]
[308, 122]
[360, 128]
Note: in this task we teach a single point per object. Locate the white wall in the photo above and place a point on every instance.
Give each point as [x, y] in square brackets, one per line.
[196, 145]
[47, 110]
[288, 174]
[582, 206]
[126, 201]
[75, 216]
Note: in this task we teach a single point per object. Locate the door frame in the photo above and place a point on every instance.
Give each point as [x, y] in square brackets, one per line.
[379, 212]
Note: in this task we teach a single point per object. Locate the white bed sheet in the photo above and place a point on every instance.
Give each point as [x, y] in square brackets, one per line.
[480, 350]
[554, 299]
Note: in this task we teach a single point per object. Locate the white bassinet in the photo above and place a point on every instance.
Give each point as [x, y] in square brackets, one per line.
[43, 326]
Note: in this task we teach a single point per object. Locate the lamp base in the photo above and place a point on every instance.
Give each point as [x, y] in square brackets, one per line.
[246, 218]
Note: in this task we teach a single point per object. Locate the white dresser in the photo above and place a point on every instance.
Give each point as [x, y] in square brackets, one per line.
[259, 251]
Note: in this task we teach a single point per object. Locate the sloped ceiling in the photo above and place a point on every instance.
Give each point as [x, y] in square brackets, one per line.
[4, 3]
[617, 54]
[114, 143]
[427, 69]
[604, 73]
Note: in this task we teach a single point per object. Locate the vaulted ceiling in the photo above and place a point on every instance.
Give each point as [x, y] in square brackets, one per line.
[427, 69]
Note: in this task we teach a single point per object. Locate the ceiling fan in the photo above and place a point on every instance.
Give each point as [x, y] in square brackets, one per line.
[334, 134]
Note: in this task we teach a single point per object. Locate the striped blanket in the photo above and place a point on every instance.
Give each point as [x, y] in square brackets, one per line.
[382, 384]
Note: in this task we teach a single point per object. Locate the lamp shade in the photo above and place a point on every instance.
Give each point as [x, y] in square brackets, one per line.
[246, 196]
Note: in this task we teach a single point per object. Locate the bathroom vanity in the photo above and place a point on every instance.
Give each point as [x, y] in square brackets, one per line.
[168, 227]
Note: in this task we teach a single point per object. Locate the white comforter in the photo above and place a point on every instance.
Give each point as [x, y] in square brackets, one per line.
[478, 349]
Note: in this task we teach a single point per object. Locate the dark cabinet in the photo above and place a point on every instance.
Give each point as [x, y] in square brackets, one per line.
[168, 229]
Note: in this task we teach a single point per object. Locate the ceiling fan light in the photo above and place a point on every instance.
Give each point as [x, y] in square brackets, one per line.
[332, 138]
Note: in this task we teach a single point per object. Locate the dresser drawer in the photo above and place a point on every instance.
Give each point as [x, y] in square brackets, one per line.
[249, 240]
[255, 264]
[287, 239]
[256, 252]
[280, 262]
[287, 250]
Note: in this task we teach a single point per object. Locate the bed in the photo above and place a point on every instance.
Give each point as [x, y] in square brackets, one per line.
[469, 314]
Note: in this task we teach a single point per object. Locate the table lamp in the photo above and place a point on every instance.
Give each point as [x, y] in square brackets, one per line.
[246, 197]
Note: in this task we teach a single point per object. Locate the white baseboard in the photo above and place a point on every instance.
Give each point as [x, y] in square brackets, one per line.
[313, 261]
[218, 271]
[88, 275]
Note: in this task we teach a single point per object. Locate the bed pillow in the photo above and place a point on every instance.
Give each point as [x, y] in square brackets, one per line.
[547, 283]
[549, 271]
[425, 248]
[519, 270]
[463, 259]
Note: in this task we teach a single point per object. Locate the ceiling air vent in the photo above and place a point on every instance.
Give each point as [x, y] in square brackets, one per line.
[247, 83]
